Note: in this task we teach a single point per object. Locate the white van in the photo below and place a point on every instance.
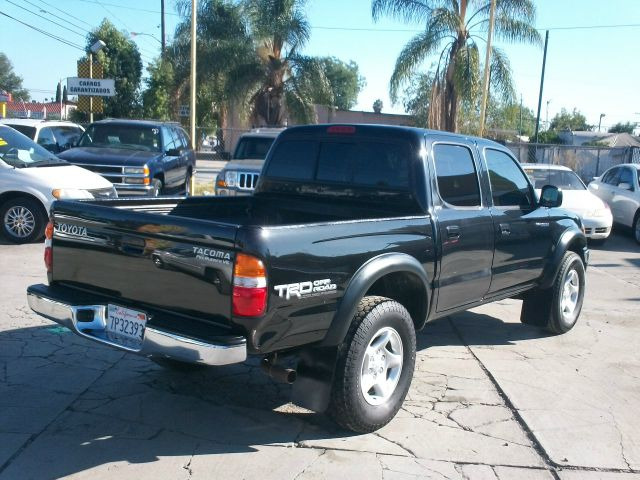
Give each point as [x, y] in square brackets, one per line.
[31, 178]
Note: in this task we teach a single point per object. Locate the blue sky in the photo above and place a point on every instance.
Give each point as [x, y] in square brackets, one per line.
[593, 69]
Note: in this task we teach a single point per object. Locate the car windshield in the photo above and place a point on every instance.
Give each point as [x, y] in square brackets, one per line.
[563, 179]
[131, 137]
[19, 151]
[25, 130]
[253, 148]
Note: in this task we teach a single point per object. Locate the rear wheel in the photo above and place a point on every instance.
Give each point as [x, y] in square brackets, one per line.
[636, 227]
[375, 366]
[23, 220]
[557, 308]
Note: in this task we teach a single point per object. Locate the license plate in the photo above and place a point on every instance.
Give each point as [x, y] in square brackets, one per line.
[125, 323]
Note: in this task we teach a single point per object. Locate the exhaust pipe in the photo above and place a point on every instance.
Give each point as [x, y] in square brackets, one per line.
[278, 373]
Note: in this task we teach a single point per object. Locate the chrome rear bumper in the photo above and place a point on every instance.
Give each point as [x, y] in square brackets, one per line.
[89, 321]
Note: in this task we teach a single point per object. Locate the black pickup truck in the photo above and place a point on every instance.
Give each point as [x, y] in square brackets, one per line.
[355, 238]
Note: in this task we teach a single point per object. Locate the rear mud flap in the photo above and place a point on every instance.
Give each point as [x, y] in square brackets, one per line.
[312, 388]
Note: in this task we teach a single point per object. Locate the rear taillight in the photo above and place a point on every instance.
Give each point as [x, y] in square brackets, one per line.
[48, 252]
[249, 286]
[341, 129]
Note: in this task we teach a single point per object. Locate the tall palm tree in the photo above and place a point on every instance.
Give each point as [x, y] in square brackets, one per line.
[452, 30]
[280, 80]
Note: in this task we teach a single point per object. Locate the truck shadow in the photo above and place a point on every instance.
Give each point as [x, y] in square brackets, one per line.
[69, 405]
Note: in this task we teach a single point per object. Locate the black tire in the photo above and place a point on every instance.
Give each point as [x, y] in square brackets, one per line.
[177, 365]
[548, 308]
[635, 229]
[187, 184]
[348, 405]
[22, 220]
[156, 189]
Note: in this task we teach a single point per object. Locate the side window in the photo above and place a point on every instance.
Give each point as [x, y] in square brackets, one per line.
[167, 139]
[626, 176]
[45, 137]
[611, 176]
[456, 174]
[179, 138]
[509, 186]
[185, 138]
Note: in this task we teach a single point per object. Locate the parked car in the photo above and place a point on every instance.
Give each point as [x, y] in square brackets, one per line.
[356, 236]
[140, 157]
[240, 175]
[31, 178]
[620, 188]
[595, 214]
[56, 136]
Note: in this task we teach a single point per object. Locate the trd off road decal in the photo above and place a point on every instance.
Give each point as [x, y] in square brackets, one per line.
[306, 289]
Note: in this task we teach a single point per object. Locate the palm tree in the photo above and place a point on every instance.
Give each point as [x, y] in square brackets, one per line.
[281, 81]
[452, 32]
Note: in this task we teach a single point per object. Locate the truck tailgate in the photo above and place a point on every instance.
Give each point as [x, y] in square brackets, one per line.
[173, 263]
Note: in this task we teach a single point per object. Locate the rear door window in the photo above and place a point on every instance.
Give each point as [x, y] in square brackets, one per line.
[456, 174]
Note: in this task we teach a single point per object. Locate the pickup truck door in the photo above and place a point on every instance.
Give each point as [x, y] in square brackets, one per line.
[464, 226]
[522, 230]
[170, 163]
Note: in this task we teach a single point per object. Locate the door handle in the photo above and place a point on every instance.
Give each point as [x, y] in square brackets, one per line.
[505, 229]
[453, 232]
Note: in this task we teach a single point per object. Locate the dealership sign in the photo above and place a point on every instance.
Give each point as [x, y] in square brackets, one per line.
[94, 87]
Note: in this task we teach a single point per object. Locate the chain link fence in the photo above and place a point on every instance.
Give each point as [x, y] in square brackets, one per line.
[217, 144]
[587, 162]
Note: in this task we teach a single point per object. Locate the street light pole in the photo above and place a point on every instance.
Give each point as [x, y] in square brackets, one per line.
[487, 67]
[547, 114]
[544, 63]
[90, 97]
[600, 121]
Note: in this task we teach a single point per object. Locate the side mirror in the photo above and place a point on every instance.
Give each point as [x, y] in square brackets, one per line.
[173, 152]
[625, 186]
[550, 196]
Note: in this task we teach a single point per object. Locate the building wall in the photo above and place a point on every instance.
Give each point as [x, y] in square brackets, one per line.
[330, 115]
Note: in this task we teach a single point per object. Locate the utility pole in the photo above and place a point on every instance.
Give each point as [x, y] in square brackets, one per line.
[547, 114]
[520, 129]
[544, 63]
[162, 36]
[487, 68]
[192, 110]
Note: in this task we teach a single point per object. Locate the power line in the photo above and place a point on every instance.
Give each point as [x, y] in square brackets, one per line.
[411, 30]
[126, 7]
[57, 16]
[45, 18]
[55, 37]
[66, 13]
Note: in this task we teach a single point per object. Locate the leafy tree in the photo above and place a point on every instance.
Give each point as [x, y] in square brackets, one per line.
[282, 81]
[156, 99]
[566, 120]
[11, 82]
[377, 106]
[451, 32]
[345, 81]
[65, 97]
[509, 116]
[620, 127]
[121, 61]
[549, 136]
[417, 96]
[58, 91]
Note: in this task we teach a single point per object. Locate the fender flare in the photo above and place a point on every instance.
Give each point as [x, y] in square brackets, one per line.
[569, 237]
[374, 269]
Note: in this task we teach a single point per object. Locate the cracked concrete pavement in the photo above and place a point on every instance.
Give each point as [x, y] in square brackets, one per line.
[491, 398]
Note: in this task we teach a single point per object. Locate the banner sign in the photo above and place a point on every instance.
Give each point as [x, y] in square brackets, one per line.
[95, 87]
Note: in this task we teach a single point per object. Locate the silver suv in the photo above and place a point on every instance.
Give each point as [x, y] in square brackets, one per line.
[240, 174]
[54, 135]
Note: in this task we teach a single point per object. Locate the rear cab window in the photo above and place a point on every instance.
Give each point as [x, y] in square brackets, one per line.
[355, 162]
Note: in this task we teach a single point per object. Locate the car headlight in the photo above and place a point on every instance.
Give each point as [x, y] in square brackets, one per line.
[231, 179]
[71, 193]
[136, 170]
